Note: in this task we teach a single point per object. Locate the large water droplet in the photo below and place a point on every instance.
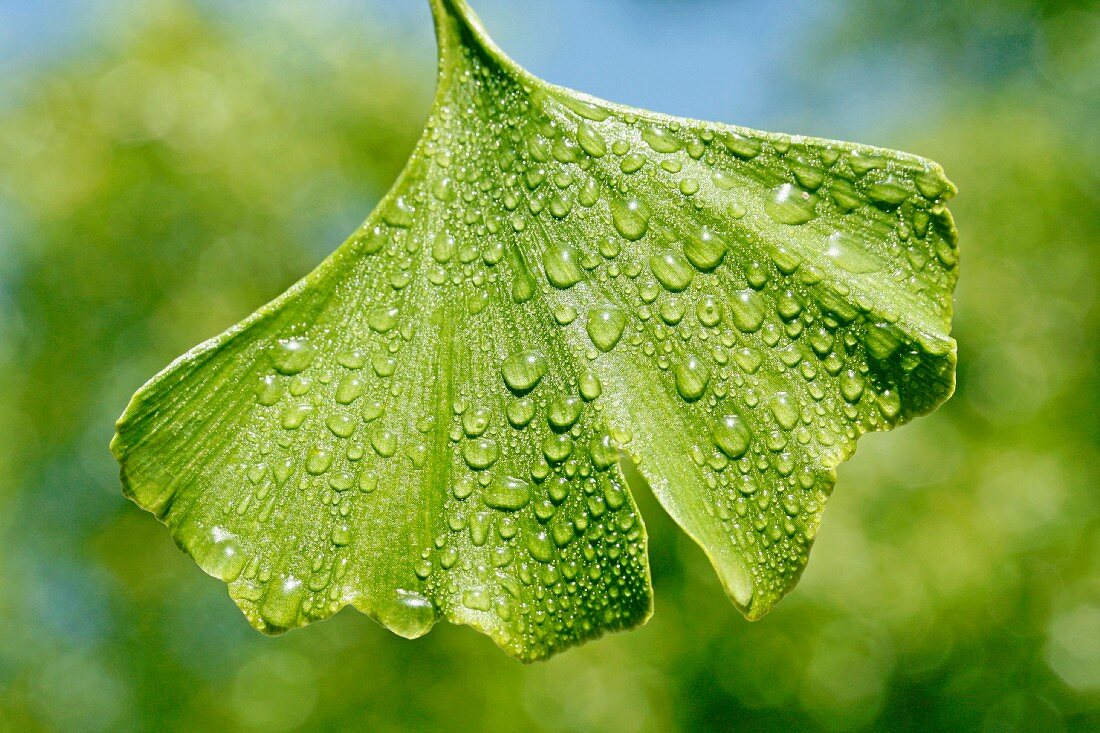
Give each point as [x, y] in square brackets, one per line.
[444, 189]
[341, 424]
[631, 218]
[384, 442]
[808, 176]
[350, 389]
[709, 311]
[672, 270]
[523, 286]
[889, 191]
[591, 141]
[587, 110]
[705, 250]
[844, 194]
[292, 356]
[401, 213]
[590, 386]
[224, 559]
[521, 412]
[747, 311]
[508, 494]
[282, 602]
[743, 147]
[557, 448]
[564, 412]
[632, 163]
[881, 340]
[341, 535]
[692, 378]
[541, 547]
[672, 311]
[476, 421]
[384, 366]
[562, 265]
[481, 453]
[524, 370]
[443, 248]
[784, 410]
[605, 327]
[383, 320]
[890, 403]
[661, 140]
[295, 415]
[603, 451]
[723, 180]
[562, 532]
[477, 600]
[268, 390]
[789, 204]
[851, 385]
[731, 436]
[789, 306]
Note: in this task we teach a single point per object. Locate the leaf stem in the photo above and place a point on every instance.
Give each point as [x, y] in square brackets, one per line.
[457, 26]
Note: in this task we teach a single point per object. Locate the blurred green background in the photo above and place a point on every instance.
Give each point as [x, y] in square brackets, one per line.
[166, 166]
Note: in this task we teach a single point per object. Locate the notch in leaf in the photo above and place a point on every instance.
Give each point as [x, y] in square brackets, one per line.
[430, 424]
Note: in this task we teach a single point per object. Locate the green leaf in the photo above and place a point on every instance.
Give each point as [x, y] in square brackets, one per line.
[430, 424]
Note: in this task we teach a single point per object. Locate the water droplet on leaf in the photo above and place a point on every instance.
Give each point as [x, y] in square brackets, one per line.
[605, 327]
[292, 356]
[631, 218]
[731, 436]
[692, 378]
[789, 204]
[562, 265]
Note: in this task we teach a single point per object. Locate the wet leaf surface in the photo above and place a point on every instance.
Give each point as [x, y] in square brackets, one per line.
[430, 425]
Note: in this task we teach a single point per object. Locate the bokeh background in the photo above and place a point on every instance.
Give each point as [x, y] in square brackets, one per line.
[166, 166]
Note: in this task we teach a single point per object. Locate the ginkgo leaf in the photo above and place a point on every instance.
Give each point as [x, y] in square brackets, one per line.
[430, 424]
